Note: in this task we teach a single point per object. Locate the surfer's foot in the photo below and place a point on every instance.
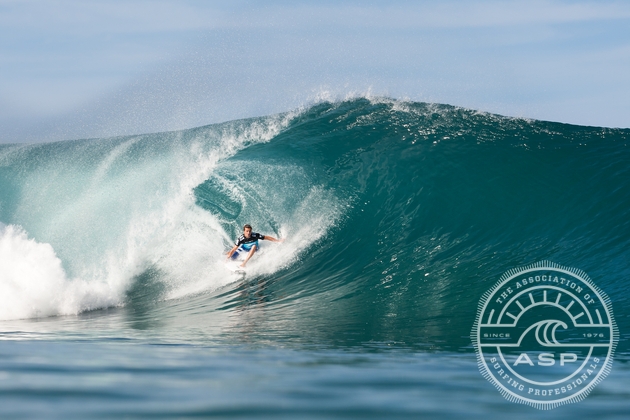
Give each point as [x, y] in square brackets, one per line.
[242, 265]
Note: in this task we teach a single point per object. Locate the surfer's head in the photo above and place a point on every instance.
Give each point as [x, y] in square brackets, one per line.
[247, 230]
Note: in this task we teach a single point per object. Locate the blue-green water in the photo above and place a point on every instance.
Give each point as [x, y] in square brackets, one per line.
[398, 217]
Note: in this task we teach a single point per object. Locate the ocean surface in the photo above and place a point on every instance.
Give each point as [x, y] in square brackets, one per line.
[398, 216]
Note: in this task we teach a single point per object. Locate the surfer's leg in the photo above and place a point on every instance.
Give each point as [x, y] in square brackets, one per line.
[251, 253]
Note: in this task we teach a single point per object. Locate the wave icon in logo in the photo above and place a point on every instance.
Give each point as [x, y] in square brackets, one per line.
[545, 335]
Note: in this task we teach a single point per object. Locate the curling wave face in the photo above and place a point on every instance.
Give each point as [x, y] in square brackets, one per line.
[398, 217]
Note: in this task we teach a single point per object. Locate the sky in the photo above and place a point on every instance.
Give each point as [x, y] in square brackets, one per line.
[75, 69]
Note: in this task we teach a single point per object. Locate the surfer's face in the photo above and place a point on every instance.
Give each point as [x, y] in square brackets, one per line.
[247, 232]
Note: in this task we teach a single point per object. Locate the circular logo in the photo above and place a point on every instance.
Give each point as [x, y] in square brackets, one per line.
[545, 335]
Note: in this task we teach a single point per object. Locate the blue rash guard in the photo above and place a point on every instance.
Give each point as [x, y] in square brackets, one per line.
[247, 243]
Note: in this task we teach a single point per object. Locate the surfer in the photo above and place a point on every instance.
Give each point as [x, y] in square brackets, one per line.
[248, 242]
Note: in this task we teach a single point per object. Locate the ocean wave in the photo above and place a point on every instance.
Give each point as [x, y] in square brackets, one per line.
[398, 215]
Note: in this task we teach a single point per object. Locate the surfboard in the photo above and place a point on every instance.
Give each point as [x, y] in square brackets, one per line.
[234, 266]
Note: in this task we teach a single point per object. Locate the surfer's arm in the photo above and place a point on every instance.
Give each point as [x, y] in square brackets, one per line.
[272, 239]
[229, 255]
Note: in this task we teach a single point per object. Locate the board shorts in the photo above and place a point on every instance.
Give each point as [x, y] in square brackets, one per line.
[245, 248]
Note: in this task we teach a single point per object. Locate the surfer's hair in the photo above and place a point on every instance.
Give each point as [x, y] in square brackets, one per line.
[248, 226]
